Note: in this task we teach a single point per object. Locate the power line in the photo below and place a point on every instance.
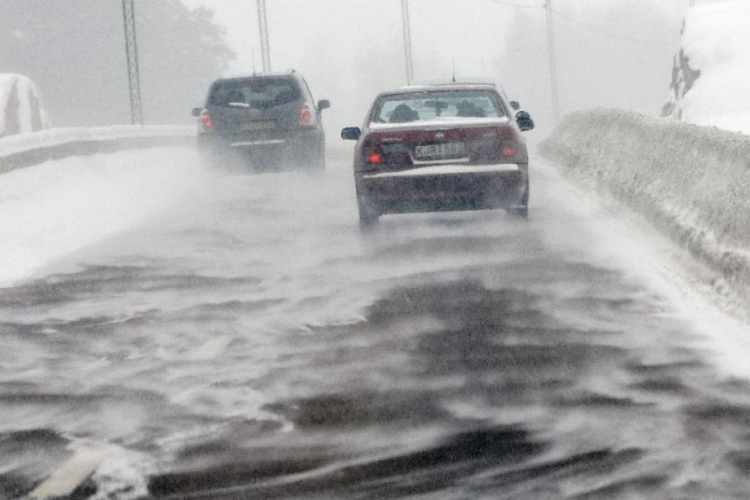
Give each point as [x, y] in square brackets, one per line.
[609, 34]
[510, 4]
[582, 24]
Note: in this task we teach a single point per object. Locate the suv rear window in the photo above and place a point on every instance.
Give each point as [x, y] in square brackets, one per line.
[259, 93]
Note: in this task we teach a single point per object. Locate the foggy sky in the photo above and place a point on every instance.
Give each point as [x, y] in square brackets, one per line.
[614, 53]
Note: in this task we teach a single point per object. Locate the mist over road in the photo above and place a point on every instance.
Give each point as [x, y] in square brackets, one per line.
[250, 342]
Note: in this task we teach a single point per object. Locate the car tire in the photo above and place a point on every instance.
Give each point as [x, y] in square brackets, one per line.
[521, 210]
[368, 222]
[308, 158]
[367, 217]
[319, 162]
[319, 158]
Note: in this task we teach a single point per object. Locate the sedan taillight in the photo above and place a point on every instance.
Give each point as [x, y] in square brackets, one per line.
[509, 148]
[374, 156]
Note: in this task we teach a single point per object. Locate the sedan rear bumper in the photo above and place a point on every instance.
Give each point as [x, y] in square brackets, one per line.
[444, 188]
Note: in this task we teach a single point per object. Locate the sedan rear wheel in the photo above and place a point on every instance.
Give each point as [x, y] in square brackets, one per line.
[368, 218]
[521, 210]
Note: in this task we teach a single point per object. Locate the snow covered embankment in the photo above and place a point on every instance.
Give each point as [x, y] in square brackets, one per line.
[690, 181]
[25, 150]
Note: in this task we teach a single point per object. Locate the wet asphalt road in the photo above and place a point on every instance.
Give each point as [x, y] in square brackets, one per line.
[256, 344]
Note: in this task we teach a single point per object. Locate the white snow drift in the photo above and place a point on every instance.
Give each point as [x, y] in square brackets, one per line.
[60, 207]
[21, 108]
[713, 69]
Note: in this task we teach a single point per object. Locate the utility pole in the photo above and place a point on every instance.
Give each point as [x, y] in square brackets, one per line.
[131, 50]
[552, 64]
[263, 25]
[407, 41]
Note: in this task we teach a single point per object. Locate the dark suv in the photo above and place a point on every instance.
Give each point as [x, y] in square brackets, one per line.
[262, 121]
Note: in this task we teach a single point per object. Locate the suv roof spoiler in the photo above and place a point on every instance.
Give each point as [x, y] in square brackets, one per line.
[244, 74]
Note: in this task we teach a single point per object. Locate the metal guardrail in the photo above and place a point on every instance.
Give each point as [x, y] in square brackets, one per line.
[58, 149]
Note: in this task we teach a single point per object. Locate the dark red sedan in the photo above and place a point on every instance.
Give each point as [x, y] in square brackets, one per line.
[441, 148]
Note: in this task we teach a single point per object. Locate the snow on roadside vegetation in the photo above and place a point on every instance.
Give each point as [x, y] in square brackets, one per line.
[690, 181]
[713, 70]
[21, 109]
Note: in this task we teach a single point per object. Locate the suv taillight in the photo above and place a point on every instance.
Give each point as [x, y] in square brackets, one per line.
[306, 116]
[206, 121]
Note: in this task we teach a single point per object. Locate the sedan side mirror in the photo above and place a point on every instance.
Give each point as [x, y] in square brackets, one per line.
[197, 112]
[351, 133]
[324, 104]
[524, 121]
[515, 105]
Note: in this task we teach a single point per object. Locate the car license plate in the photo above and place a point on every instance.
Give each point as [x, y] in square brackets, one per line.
[258, 125]
[444, 150]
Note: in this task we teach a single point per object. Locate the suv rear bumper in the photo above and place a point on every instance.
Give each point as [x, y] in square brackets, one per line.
[298, 146]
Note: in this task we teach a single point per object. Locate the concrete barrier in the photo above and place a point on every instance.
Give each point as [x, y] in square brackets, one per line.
[691, 182]
[26, 150]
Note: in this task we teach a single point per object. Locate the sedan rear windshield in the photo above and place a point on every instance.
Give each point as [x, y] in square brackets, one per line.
[434, 106]
[259, 93]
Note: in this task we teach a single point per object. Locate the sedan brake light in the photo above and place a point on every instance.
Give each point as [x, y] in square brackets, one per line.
[509, 148]
[374, 156]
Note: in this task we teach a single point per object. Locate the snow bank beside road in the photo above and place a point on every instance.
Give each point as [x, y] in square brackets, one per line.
[63, 206]
[24, 150]
[690, 181]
